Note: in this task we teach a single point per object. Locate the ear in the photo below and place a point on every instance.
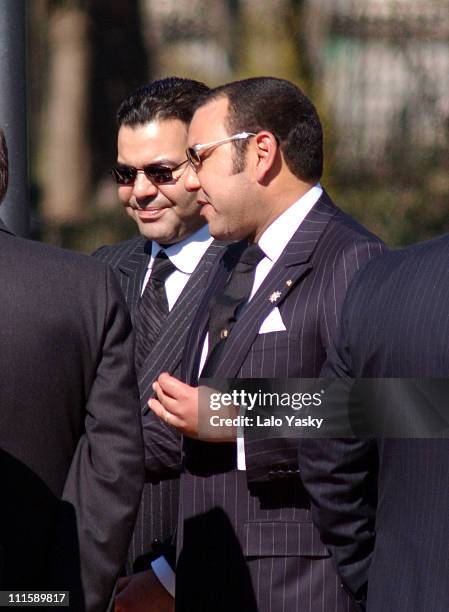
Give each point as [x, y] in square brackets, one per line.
[267, 148]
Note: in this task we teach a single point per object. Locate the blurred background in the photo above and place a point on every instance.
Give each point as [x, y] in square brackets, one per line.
[378, 71]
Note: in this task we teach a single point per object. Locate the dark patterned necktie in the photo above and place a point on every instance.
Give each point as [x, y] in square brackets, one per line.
[224, 308]
[152, 309]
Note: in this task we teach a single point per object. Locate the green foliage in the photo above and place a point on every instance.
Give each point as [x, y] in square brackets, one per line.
[398, 215]
[102, 228]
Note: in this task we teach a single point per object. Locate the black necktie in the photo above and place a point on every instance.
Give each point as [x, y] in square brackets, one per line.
[152, 308]
[224, 307]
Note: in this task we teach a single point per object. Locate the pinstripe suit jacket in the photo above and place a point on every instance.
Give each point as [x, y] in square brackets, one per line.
[260, 518]
[395, 323]
[158, 513]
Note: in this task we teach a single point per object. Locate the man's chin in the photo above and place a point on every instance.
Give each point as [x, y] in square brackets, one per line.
[153, 233]
[220, 233]
[221, 229]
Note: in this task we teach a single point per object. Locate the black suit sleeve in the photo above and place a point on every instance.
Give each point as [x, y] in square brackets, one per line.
[163, 449]
[340, 478]
[106, 476]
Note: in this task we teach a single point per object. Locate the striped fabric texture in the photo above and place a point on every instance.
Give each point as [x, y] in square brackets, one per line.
[260, 519]
[395, 324]
[158, 512]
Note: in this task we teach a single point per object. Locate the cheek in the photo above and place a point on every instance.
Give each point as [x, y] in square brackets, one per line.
[131, 213]
[184, 203]
[209, 179]
[124, 194]
[190, 208]
[237, 210]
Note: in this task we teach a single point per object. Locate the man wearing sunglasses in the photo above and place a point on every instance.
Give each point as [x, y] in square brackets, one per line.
[255, 154]
[163, 273]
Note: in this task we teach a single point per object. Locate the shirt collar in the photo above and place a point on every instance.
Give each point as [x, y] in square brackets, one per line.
[277, 235]
[185, 255]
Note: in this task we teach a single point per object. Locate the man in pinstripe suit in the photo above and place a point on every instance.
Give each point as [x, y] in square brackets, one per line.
[152, 138]
[246, 539]
[394, 324]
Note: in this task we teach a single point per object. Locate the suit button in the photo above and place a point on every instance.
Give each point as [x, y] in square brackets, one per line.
[156, 546]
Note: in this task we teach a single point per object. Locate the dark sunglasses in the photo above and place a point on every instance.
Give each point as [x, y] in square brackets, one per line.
[157, 174]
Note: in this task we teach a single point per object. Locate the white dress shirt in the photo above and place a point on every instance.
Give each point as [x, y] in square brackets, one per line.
[185, 256]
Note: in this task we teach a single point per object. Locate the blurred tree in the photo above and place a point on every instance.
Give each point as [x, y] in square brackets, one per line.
[280, 38]
[120, 63]
[92, 63]
[234, 33]
[65, 155]
[193, 37]
[387, 79]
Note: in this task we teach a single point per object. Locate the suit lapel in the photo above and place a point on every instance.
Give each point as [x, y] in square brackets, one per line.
[132, 272]
[165, 355]
[288, 271]
[195, 338]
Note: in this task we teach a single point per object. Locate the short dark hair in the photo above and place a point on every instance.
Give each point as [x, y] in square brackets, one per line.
[169, 98]
[276, 105]
[3, 165]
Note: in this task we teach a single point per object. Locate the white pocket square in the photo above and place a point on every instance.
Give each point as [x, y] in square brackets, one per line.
[273, 323]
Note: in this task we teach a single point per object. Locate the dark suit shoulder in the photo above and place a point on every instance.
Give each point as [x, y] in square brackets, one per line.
[339, 219]
[351, 229]
[348, 246]
[58, 280]
[421, 254]
[402, 272]
[34, 256]
[343, 237]
[421, 258]
[115, 253]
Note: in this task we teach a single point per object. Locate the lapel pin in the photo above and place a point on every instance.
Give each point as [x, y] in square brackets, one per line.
[224, 334]
[275, 296]
[289, 283]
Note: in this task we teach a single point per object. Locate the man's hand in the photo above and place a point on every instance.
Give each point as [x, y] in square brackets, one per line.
[177, 404]
[142, 592]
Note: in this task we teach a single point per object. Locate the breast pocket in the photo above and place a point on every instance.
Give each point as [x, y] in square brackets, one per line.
[272, 355]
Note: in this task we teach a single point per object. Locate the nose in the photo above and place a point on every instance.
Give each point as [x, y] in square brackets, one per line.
[191, 182]
[143, 187]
